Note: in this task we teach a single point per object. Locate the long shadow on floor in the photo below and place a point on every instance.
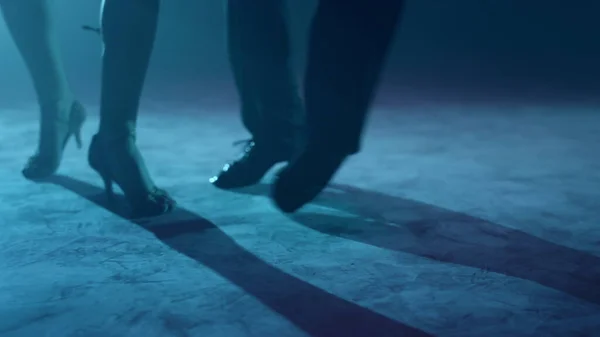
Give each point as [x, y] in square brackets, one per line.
[311, 309]
[425, 230]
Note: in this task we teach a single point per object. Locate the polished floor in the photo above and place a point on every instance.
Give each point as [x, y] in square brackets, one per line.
[455, 221]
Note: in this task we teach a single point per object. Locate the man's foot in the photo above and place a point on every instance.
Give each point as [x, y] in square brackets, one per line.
[255, 161]
[304, 179]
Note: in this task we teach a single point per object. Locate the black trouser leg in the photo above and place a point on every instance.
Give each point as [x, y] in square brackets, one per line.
[239, 67]
[348, 44]
[260, 56]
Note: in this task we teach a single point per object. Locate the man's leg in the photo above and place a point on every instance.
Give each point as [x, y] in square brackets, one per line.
[128, 29]
[31, 26]
[240, 61]
[259, 49]
[348, 44]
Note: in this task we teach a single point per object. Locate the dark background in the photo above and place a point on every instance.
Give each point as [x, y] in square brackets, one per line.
[467, 48]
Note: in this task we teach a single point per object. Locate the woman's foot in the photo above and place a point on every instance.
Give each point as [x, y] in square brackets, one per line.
[54, 136]
[118, 160]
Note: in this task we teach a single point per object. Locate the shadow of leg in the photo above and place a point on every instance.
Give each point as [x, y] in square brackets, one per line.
[408, 226]
[311, 309]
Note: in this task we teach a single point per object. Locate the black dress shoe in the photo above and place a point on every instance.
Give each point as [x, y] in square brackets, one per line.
[256, 160]
[305, 178]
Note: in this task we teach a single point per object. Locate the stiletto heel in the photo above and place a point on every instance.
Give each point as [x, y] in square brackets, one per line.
[76, 121]
[42, 165]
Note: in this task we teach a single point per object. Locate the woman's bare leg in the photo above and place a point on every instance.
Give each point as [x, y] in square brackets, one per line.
[128, 29]
[30, 23]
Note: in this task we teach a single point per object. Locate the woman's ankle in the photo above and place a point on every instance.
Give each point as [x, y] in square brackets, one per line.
[56, 109]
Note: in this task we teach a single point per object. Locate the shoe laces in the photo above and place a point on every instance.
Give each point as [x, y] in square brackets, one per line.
[246, 146]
